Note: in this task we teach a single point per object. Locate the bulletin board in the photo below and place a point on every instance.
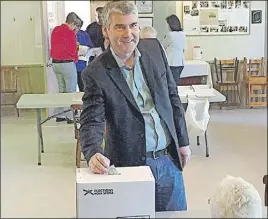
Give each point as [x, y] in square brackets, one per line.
[216, 17]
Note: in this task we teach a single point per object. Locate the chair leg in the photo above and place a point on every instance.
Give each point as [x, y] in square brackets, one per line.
[198, 141]
[238, 93]
[18, 112]
[78, 153]
[265, 178]
[249, 95]
[207, 148]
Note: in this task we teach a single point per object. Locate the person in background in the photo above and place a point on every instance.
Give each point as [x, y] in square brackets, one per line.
[106, 42]
[94, 30]
[130, 92]
[174, 44]
[64, 54]
[84, 40]
[235, 198]
[148, 32]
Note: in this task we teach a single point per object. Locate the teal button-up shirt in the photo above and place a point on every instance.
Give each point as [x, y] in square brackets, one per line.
[156, 132]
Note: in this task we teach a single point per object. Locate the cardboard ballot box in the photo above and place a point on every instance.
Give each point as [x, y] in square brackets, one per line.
[129, 194]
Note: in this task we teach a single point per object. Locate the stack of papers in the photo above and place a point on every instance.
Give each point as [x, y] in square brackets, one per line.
[195, 90]
[185, 91]
[204, 93]
[86, 52]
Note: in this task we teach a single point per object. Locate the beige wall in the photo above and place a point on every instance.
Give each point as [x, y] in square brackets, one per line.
[251, 46]
[21, 33]
[22, 48]
[21, 39]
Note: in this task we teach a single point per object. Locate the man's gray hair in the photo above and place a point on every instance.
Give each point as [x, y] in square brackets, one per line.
[122, 7]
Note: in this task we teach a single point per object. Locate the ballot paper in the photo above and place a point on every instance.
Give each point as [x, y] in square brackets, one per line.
[112, 170]
[83, 50]
[85, 54]
[94, 52]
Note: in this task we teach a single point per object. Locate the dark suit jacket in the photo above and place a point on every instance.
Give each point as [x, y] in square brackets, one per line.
[108, 100]
[94, 30]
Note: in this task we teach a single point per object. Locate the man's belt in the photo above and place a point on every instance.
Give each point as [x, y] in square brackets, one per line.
[156, 154]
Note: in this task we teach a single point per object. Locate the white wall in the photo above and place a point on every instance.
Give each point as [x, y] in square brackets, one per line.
[81, 8]
[224, 47]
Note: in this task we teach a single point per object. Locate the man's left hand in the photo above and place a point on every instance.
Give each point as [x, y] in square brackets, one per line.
[185, 155]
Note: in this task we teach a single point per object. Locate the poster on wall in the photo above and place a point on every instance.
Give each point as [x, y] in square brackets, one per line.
[216, 17]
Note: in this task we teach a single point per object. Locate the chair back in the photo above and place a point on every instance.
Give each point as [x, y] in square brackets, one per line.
[253, 68]
[227, 70]
[76, 109]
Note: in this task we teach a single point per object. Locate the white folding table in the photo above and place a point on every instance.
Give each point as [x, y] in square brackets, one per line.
[54, 100]
[44, 101]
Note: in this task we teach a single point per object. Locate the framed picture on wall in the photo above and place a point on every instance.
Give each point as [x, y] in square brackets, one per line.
[144, 7]
[145, 21]
[256, 16]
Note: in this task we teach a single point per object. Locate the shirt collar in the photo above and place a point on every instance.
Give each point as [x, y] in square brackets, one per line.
[120, 63]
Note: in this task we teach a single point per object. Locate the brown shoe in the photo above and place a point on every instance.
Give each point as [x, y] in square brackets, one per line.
[69, 121]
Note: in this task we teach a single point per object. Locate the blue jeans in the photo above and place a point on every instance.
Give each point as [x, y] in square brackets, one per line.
[169, 185]
[67, 80]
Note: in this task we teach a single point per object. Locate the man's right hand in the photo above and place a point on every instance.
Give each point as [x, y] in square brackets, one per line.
[99, 164]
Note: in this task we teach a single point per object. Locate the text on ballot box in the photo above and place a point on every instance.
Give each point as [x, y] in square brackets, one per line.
[127, 195]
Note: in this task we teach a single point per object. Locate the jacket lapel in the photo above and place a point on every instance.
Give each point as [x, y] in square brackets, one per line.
[147, 70]
[117, 77]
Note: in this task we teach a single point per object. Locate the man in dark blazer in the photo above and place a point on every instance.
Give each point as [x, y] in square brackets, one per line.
[130, 92]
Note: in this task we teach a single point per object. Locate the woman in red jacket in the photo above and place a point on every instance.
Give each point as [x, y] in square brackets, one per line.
[64, 54]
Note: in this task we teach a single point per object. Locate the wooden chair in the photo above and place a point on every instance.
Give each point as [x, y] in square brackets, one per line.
[77, 109]
[265, 182]
[9, 86]
[227, 80]
[255, 81]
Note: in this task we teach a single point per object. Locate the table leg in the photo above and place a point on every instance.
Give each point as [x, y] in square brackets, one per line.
[39, 133]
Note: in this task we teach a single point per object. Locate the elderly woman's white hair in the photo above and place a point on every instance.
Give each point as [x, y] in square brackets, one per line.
[235, 198]
[148, 32]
